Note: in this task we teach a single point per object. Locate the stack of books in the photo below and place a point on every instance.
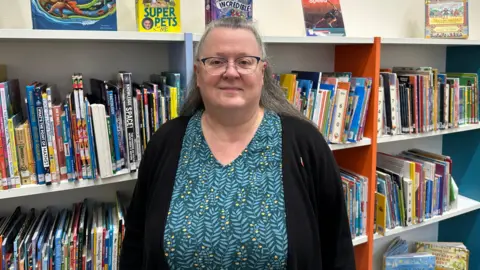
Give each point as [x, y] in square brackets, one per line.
[414, 100]
[335, 102]
[80, 136]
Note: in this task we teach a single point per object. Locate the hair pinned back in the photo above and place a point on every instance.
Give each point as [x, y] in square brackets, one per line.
[272, 97]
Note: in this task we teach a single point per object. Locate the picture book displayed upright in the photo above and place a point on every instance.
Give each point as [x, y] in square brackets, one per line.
[74, 15]
[216, 9]
[323, 18]
[158, 16]
[446, 19]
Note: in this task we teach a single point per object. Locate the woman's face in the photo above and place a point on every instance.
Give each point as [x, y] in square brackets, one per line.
[234, 84]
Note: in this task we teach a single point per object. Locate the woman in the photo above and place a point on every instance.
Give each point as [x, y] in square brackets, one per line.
[241, 180]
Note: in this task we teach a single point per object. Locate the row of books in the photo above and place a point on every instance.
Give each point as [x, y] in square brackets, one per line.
[355, 192]
[425, 255]
[334, 101]
[81, 135]
[88, 235]
[422, 99]
[412, 187]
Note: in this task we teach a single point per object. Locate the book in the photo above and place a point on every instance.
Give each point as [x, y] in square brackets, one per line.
[74, 15]
[446, 19]
[449, 255]
[398, 257]
[323, 18]
[217, 9]
[158, 16]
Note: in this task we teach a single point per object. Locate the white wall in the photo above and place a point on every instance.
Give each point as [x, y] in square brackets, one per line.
[366, 18]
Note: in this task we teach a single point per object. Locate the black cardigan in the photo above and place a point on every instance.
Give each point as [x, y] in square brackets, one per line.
[317, 222]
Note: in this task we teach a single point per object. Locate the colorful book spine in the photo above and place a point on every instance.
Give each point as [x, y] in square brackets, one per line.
[50, 138]
[6, 135]
[35, 134]
[67, 144]
[57, 124]
[113, 122]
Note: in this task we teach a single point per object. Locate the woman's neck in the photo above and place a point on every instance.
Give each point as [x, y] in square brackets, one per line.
[232, 125]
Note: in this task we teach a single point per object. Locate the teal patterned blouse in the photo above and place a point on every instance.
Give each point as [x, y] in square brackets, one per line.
[233, 216]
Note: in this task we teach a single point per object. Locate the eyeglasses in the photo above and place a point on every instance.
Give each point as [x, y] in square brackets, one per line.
[218, 65]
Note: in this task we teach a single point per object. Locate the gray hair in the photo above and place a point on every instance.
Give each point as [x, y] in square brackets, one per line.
[272, 97]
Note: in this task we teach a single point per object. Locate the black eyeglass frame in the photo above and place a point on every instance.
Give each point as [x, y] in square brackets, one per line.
[206, 58]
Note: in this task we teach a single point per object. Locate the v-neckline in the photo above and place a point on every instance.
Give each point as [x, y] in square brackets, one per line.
[241, 154]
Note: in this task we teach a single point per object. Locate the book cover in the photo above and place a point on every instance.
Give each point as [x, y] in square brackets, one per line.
[446, 19]
[217, 9]
[323, 18]
[158, 16]
[74, 15]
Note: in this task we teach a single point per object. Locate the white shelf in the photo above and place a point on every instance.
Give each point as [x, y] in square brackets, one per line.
[464, 205]
[29, 34]
[305, 40]
[424, 41]
[394, 138]
[365, 141]
[29, 190]
[359, 240]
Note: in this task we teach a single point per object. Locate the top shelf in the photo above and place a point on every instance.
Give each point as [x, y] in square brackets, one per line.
[425, 41]
[29, 34]
[308, 40]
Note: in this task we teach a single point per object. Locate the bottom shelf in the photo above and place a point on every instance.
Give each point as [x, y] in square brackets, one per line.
[29, 190]
[464, 205]
[359, 240]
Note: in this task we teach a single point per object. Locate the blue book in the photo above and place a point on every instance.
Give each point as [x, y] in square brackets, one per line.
[32, 117]
[113, 123]
[417, 261]
[74, 15]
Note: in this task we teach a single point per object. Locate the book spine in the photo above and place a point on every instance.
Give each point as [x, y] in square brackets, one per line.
[138, 146]
[30, 157]
[91, 141]
[3, 153]
[67, 144]
[35, 130]
[146, 115]
[6, 135]
[49, 136]
[121, 135]
[114, 130]
[11, 130]
[57, 123]
[22, 155]
[129, 121]
[110, 140]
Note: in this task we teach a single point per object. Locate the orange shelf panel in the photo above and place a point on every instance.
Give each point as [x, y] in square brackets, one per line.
[363, 60]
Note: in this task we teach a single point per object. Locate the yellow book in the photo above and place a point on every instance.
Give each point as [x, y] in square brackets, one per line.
[13, 148]
[380, 213]
[414, 177]
[22, 154]
[449, 255]
[289, 81]
[30, 159]
[158, 16]
[173, 102]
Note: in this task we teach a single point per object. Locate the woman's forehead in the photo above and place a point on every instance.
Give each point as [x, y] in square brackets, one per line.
[230, 41]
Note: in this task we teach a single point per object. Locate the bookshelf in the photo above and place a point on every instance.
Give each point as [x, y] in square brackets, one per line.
[387, 138]
[465, 205]
[64, 35]
[65, 186]
[53, 56]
